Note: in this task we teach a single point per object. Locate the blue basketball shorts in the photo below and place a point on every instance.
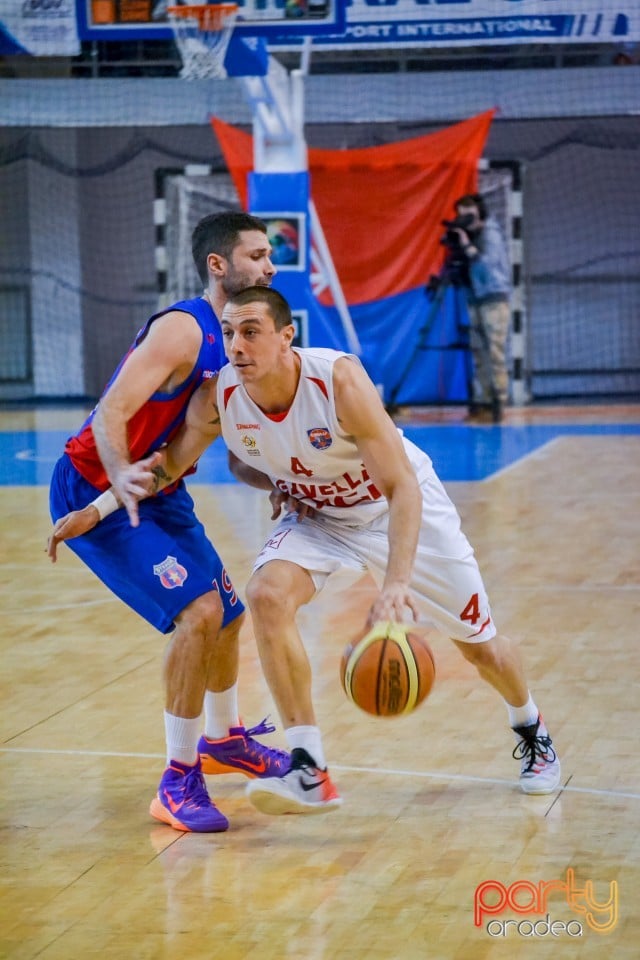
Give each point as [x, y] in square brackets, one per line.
[157, 568]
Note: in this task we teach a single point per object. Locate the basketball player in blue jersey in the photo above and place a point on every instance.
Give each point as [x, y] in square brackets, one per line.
[155, 556]
[362, 497]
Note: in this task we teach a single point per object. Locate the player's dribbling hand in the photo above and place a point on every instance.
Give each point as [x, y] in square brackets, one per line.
[392, 604]
[73, 524]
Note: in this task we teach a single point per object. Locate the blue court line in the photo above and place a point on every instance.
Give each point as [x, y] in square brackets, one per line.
[459, 452]
[462, 453]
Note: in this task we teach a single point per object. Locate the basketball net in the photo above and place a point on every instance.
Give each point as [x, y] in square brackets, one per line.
[202, 33]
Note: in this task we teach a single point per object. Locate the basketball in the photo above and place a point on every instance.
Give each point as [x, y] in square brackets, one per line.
[389, 671]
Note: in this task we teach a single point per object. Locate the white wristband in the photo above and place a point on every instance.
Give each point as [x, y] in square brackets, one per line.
[105, 504]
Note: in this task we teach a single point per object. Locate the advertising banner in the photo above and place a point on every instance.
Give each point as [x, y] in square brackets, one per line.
[373, 24]
[41, 28]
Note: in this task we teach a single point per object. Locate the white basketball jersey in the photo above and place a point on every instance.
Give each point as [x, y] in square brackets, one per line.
[304, 451]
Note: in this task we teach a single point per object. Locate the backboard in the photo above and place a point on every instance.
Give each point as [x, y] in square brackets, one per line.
[147, 19]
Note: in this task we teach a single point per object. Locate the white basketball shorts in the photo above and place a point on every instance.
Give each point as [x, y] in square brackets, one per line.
[446, 581]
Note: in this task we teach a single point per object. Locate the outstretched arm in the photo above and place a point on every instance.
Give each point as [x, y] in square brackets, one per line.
[361, 414]
[200, 428]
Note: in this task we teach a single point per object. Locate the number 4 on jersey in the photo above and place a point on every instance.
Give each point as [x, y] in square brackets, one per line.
[299, 468]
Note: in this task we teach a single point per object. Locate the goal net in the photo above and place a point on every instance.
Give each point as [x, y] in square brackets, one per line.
[188, 198]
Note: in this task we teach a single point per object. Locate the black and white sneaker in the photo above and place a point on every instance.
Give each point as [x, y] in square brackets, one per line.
[305, 788]
[540, 770]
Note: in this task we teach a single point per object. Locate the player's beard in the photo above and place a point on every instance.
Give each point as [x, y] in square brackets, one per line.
[236, 281]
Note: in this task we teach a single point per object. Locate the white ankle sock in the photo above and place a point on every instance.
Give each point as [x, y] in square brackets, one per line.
[522, 716]
[309, 739]
[220, 712]
[182, 735]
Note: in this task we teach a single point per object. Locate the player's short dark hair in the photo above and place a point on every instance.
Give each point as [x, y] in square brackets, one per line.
[477, 200]
[279, 309]
[220, 233]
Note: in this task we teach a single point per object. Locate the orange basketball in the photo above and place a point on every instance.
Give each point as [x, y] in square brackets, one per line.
[389, 671]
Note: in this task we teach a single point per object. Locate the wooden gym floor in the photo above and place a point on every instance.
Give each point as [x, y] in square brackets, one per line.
[431, 807]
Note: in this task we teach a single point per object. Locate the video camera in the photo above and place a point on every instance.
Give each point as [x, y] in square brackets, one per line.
[456, 266]
[451, 238]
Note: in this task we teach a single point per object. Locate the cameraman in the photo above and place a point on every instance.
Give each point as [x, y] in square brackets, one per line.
[477, 237]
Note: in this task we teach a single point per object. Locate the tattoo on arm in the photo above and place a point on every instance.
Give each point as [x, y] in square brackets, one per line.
[160, 475]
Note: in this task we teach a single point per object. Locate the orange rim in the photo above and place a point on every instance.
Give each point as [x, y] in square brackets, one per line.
[209, 16]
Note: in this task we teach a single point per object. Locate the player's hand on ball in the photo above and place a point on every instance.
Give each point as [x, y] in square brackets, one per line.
[73, 524]
[392, 604]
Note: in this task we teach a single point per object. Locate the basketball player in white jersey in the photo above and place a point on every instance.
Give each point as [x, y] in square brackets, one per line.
[308, 426]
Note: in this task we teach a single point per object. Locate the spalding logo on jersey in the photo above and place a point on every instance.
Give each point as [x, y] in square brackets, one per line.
[320, 438]
[172, 574]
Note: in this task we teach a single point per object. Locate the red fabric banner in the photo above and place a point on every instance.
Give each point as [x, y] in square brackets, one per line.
[381, 207]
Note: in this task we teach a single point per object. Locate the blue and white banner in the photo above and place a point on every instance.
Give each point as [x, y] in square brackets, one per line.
[41, 28]
[448, 23]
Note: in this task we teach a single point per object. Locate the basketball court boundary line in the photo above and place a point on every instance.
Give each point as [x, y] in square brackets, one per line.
[382, 771]
[508, 467]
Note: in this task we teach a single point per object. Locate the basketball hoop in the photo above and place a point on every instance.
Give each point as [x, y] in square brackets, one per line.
[202, 32]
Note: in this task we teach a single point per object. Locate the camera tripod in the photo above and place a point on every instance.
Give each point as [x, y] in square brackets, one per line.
[443, 284]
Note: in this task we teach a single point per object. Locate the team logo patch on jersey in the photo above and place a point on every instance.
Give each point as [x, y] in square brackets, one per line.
[251, 445]
[172, 574]
[320, 438]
